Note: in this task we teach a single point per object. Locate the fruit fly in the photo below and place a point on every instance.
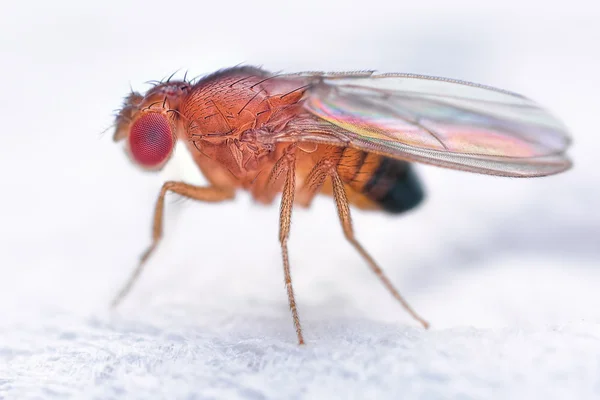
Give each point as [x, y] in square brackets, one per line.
[353, 136]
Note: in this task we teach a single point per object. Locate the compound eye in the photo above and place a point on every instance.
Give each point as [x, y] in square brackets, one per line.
[150, 139]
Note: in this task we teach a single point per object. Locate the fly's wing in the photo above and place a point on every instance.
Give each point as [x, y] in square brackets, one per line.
[438, 121]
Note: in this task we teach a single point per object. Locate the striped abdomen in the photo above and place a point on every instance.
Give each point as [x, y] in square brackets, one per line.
[392, 184]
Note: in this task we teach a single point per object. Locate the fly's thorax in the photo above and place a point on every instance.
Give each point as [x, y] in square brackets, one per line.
[232, 116]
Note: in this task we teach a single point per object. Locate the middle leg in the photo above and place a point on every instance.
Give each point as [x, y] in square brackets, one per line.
[287, 165]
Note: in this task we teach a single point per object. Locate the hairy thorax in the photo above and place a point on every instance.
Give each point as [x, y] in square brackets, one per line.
[231, 121]
[228, 121]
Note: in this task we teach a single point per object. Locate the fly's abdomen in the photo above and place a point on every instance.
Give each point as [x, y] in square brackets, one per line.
[390, 183]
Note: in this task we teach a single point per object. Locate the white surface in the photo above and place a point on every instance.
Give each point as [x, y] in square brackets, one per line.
[506, 270]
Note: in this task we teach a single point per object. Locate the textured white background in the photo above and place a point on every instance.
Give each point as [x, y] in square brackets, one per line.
[506, 270]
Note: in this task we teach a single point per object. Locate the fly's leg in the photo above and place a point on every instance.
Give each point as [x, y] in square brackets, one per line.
[287, 164]
[341, 201]
[315, 180]
[208, 194]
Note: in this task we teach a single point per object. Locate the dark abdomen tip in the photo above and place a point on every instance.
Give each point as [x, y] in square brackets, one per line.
[395, 186]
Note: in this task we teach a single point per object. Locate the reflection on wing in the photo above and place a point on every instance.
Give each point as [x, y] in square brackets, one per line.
[439, 121]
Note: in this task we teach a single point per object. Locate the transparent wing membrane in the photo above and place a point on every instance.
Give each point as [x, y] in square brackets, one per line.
[439, 121]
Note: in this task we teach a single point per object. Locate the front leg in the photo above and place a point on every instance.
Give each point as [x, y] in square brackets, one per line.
[210, 194]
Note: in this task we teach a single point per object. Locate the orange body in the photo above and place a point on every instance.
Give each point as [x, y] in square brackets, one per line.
[350, 135]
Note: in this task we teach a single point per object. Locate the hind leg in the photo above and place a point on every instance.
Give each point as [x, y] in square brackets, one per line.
[314, 181]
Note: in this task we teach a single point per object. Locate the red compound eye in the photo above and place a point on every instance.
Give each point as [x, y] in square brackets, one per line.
[150, 139]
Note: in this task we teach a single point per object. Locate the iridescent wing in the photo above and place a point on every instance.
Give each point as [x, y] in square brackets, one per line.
[438, 121]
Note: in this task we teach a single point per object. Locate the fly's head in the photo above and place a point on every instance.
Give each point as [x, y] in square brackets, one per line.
[149, 123]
